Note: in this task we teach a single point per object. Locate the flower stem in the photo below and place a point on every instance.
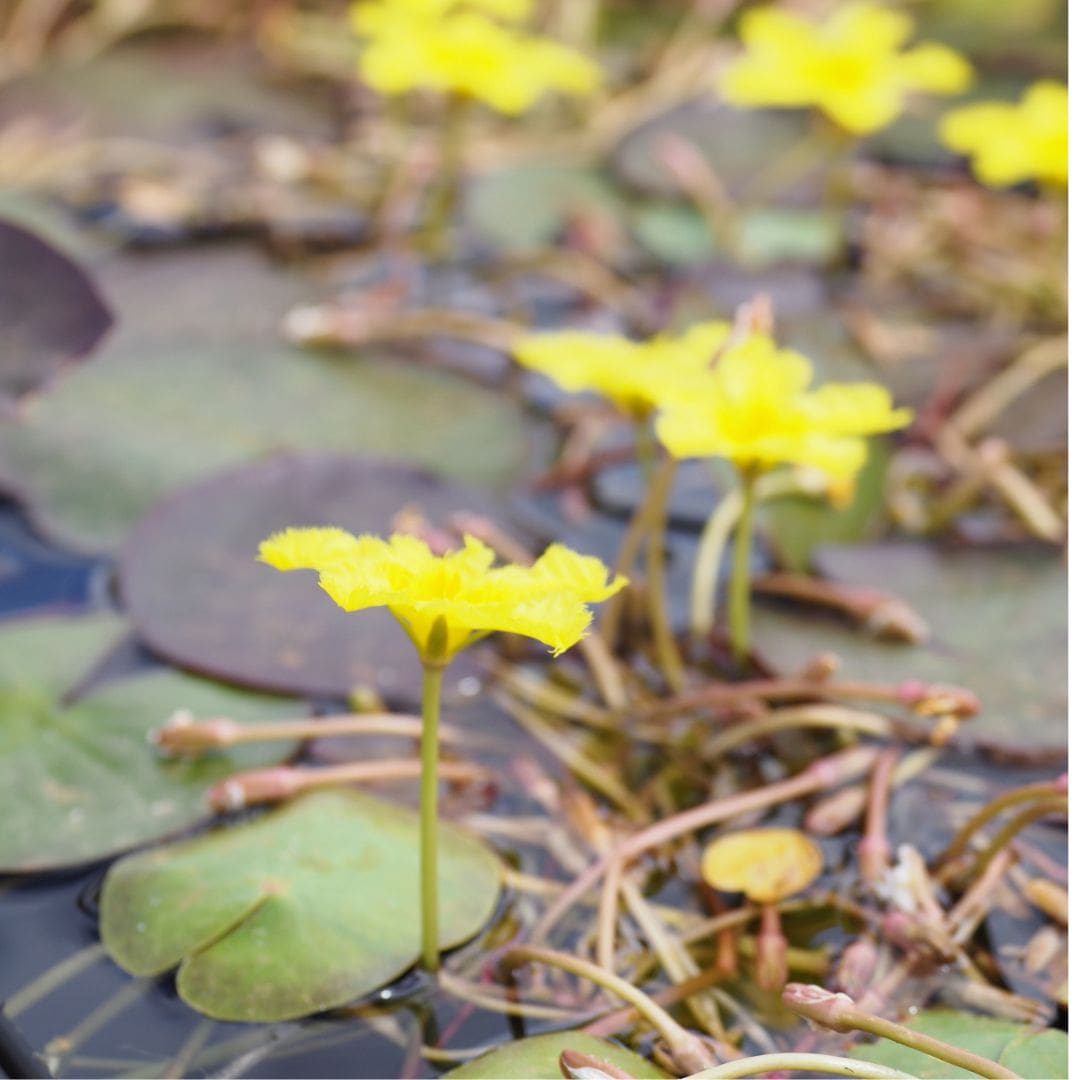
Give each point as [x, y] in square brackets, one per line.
[448, 192]
[429, 819]
[739, 582]
[667, 650]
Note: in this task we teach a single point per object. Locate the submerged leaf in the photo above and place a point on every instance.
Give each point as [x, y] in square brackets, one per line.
[305, 909]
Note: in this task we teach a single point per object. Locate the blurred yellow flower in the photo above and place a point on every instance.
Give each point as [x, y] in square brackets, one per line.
[461, 47]
[850, 66]
[635, 375]
[458, 597]
[754, 407]
[1011, 143]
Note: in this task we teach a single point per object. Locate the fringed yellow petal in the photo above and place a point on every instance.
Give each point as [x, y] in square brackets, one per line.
[546, 601]
[306, 549]
[850, 66]
[755, 408]
[1012, 143]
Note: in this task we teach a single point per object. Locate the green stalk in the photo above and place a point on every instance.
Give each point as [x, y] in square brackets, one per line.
[447, 194]
[667, 649]
[802, 1062]
[739, 582]
[429, 818]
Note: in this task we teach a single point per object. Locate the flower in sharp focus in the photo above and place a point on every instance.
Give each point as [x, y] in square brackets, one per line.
[635, 375]
[461, 593]
[1011, 143]
[467, 48]
[754, 406]
[851, 65]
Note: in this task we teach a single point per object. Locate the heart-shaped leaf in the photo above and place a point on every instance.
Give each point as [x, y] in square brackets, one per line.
[1026, 1051]
[81, 782]
[305, 909]
[997, 626]
[199, 598]
[50, 312]
[537, 1058]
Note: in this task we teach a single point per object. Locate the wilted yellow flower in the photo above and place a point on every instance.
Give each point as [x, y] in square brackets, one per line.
[755, 408]
[635, 375]
[459, 596]
[457, 46]
[850, 65]
[1011, 143]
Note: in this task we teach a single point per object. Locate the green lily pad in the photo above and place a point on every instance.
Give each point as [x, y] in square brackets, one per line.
[92, 455]
[524, 208]
[50, 312]
[305, 909]
[537, 1058]
[198, 597]
[1026, 1051]
[997, 626]
[82, 783]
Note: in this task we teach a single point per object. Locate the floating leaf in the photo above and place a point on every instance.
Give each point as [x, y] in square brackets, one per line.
[305, 909]
[768, 865]
[99, 449]
[1026, 1051]
[199, 598]
[997, 626]
[82, 783]
[537, 1058]
[50, 312]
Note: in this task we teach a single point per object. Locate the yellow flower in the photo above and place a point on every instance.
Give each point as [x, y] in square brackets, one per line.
[850, 66]
[458, 47]
[635, 375]
[1011, 143]
[754, 407]
[446, 602]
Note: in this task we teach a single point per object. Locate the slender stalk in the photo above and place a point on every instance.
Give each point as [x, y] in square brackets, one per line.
[447, 195]
[1040, 809]
[667, 649]
[53, 979]
[636, 530]
[717, 532]
[739, 582]
[429, 819]
[991, 810]
[684, 1046]
[710, 554]
[839, 1013]
[820, 1063]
